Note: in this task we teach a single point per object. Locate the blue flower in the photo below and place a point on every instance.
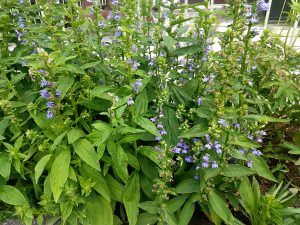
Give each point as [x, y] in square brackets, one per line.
[118, 33]
[207, 138]
[101, 24]
[133, 48]
[163, 132]
[188, 159]
[117, 16]
[206, 157]
[199, 101]
[135, 65]
[262, 6]
[223, 122]
[136, 85]
[217, 147]
[115, 2]
[256, 152]
[50, 104]
[44, 93]
[250, 163]
[236, 125]
[177, 150]
[50, 114]
[130, 101]
[214, 165]
[22, 23]
[45, 83]
[57, 93]
[21, 2]
[205, 165]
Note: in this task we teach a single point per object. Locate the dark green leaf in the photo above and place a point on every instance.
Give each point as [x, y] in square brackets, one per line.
[197, 131]
[236, 170]
[220, 207]
[188, 186]
[147, 125]
[131, 198]
[99, 211]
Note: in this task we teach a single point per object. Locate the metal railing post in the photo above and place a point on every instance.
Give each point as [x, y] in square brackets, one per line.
[268, 15]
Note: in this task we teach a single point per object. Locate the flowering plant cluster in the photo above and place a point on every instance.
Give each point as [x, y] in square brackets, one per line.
[141, 116]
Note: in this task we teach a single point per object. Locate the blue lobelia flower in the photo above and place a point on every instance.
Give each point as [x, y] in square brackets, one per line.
[44, 93]
[50, 114]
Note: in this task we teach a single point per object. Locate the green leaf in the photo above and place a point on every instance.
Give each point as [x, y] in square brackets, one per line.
[40, 166]
[264, 119]
[187, 50]
[175, 203]
[115, 188]
[64, 84]
[87, 153]
[74, 134]
[66, 210]
[130, 130]
[100, 186]
[261, 167]
[187, 212]
[58, 140]
[236, 170]
[120, 163]
[141, 104]
[59, 172]
[187, 186]
[294, 149]
[12, 195]
[5, 165]
[100, 92]
[149, 206]
[171, 125]
[131, 198]
[244, 142]
[150, 153]
[99, 211]
[90, 65]
[220, 207]
[247, 196]
[73, 68]
[169, 218]
[169, 42]
[146, 218]
[147, 125]
[197, 131]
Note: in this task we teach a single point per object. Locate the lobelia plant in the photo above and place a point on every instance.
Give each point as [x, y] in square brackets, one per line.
[134, 118]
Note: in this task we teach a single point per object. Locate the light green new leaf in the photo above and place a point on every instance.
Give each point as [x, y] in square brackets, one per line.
[40, 166]
[220, 208]
[96, 176]
[99, 211]
[169, 42]
[12, 195]
[86, 152]
[66, 208]
[5, 165]
[74, 134]
[236, 170]
[147, 125]
[59, 172]
[131, 198]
